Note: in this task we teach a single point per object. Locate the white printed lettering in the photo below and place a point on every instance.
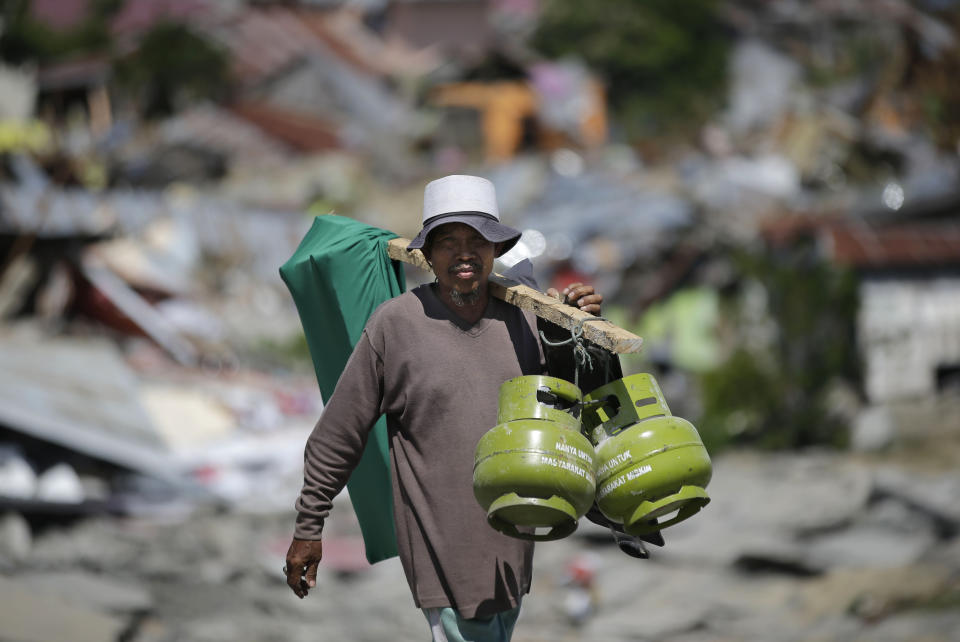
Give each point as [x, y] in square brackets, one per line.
[571, 450]
[615, 461]
[565, 465]
[608, 488]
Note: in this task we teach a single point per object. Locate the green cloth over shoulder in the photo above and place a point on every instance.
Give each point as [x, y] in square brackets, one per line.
[338, 276]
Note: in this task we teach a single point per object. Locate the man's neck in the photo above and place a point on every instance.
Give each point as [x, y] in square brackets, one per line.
[465, 307]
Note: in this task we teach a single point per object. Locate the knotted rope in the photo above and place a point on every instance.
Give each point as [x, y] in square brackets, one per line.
[581, 355]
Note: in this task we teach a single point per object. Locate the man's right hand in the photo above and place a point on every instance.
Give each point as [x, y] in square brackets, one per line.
[303, 556]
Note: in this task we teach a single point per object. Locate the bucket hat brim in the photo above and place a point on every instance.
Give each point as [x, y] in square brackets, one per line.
[488, 227]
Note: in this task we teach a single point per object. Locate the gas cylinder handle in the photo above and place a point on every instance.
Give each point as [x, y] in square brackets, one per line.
[556, 532]
[520, 398]
[555, 505]
[687, 502]
[637, 397]
[562, 388]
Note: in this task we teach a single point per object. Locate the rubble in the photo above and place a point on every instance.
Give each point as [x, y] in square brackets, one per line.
[19, 92]
[15, 538]
[78, 394]
[866, 564]
[21, 608]
[761, 80]
[115, 298]
[153, 416]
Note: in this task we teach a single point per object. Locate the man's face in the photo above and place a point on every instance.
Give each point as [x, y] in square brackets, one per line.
[462, 259]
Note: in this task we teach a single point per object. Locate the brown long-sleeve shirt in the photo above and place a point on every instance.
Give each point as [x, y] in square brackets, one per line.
[436, 378]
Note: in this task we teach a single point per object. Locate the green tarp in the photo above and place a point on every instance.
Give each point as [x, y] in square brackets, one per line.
[338, 275]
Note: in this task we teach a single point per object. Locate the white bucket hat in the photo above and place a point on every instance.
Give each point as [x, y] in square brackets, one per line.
[464, 199]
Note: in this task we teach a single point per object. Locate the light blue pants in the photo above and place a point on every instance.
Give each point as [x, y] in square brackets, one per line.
[447, 625]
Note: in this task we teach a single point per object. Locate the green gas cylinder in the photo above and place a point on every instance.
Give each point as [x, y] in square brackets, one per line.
[650, 464]
[535, 469]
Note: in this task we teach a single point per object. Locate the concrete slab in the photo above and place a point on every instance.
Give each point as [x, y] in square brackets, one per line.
[33, 616]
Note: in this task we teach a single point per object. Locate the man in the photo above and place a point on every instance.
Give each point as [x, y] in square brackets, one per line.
[432, 360]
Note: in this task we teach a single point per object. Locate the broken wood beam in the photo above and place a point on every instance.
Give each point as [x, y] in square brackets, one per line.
[601, 332]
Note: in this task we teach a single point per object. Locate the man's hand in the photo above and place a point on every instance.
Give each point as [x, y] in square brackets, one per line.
[303, 556]
[581, 296]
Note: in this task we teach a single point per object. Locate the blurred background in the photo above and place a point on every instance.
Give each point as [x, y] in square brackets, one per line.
[767, 192]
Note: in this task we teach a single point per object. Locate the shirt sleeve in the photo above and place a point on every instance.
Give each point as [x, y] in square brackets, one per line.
[336, 444]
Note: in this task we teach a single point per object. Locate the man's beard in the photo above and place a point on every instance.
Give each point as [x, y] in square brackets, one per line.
[461, 299]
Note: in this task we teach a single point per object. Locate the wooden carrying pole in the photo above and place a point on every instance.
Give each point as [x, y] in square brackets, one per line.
[602, 333]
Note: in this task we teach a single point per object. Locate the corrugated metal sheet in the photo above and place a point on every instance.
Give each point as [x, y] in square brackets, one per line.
[137, 16]
[904, 245]
[77, 393]
[264, 42]
[594, 204]
[54, 213]
[73, 74]
[908, 328]
[222, 227]
[221, 130]
[261, 41]
[304, 132]
[336, 33]
[864, 244]
[59, 14]
[908, 325]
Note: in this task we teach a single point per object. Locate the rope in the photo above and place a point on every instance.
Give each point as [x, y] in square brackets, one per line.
[581, 356]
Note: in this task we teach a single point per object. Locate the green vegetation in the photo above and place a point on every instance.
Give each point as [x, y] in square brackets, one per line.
[795, 341]
[24, 39]
[291, 353]
[173, 66]
[664, 62]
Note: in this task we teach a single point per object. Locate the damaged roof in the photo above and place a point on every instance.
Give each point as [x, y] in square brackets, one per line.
[867, 244]
[80, 394]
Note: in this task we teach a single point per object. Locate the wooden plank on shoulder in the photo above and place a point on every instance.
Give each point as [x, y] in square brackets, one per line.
[603, 333]
[397, 250]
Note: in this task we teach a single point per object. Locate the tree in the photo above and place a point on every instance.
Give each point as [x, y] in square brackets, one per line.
[795, 342]
[24, 39]
[664, 61]
[171, 67]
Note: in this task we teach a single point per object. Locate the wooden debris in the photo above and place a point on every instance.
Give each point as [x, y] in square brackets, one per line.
[603, 333]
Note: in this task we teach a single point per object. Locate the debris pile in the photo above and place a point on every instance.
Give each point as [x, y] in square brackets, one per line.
[156, 390]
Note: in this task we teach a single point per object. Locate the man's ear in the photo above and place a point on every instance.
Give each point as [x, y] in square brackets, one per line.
[497, 249]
